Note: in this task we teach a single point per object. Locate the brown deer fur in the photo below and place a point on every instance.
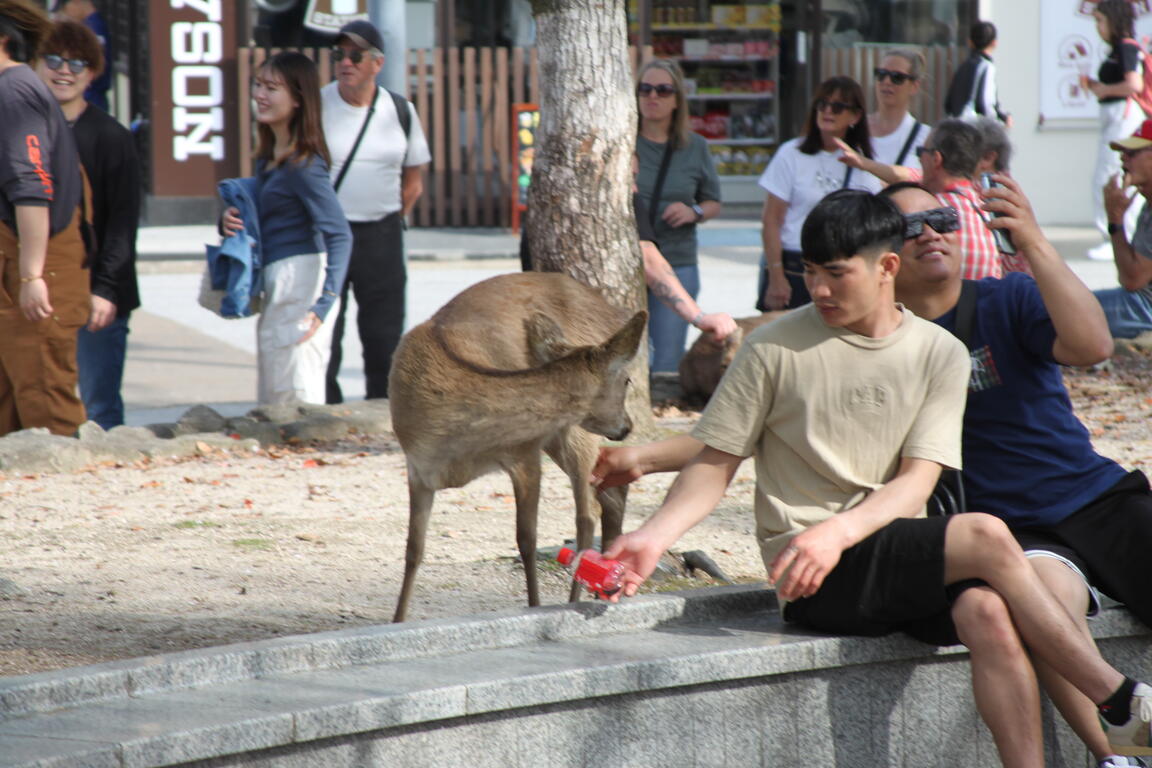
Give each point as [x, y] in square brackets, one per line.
[510, 367]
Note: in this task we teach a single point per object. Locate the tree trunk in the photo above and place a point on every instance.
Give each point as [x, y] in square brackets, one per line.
[580, 220]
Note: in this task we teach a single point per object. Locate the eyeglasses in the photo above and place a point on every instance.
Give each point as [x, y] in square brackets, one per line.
[663, 90]
[897, 78]
[922, 149]
[356, 56]
[54, 62]
[837, 107]
[942, 220]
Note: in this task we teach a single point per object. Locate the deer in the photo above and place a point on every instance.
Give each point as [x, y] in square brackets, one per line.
[705, 362]
[513, 366]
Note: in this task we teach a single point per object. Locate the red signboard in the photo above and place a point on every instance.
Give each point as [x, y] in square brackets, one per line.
[193, 81]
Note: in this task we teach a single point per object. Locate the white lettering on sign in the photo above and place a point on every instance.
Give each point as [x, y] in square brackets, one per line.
[210, 8]
[200, 139]
[197, 43]
[198, 82]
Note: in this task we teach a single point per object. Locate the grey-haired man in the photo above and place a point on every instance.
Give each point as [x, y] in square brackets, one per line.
[381, 183]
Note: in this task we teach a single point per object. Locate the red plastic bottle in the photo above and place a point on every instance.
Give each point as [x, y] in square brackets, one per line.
[601, 576]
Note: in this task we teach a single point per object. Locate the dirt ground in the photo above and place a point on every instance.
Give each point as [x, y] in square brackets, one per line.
[122, 561]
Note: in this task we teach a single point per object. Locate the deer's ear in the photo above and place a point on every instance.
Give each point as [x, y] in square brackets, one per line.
[545, 339]
[626, 340]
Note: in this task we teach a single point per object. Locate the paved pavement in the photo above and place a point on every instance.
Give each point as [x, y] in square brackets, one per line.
[179, 354]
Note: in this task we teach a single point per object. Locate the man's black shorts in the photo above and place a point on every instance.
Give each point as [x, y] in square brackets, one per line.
[892, 581]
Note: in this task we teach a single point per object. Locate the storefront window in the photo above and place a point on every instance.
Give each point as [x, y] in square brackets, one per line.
[909, 22]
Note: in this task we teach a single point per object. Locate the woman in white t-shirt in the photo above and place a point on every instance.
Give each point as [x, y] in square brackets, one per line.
[801, 173]
[895, 132]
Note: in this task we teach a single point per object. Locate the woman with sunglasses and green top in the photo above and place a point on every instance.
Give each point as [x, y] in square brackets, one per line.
[679, 183]
[895, 132]
[801, 173]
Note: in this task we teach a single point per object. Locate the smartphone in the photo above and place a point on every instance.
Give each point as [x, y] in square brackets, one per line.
[1003, 239]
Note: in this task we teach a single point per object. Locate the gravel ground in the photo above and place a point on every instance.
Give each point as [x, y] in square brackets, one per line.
[123, 561]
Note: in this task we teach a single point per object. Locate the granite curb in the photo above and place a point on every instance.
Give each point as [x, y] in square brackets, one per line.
[286, 693]
[199, 431]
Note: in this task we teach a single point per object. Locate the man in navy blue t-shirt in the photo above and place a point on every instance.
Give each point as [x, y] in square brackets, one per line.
[1083, 520]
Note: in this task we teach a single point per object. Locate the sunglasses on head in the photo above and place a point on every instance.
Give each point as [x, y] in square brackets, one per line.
[54, 62]
[837, 107]
[356, 56]
[897, 78]
[942, 220]
[663, 90]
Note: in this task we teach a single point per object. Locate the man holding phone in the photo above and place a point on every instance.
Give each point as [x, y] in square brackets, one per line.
[1129, 307]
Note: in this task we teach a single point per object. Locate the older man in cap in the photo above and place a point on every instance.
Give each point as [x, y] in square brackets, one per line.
[378, 157]
[1129, 308]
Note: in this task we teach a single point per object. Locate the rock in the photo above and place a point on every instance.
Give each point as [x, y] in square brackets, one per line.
[36, 450]
[140, 434]
[277, 414]
[91, 432]
[201, 418]
[265, 432]
[318, 427]
[167, 430]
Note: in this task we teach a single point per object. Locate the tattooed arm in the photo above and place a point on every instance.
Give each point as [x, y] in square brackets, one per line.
[666, 287]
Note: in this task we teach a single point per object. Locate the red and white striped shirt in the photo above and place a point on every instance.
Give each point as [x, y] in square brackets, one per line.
[981, 256]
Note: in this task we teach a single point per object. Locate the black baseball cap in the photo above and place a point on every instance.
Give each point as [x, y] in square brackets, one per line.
[363, 35]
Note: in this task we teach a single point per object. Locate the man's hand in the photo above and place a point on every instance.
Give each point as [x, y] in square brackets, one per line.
[616, 465]
[808, 560]
[678, 214]
[638, 552]
[230, 222]
[102, 314]
[34, 301]
[1116, 198]
[778, 292]
[719, 324]
[1013, 213]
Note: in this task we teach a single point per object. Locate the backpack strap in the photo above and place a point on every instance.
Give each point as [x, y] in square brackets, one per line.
[966, 312]
[912, 134]
[405, 116]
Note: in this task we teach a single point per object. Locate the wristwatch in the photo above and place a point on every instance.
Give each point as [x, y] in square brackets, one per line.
[696, 209]
[1114, 227]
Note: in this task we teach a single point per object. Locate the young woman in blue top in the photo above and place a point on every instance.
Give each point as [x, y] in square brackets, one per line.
[300, 220]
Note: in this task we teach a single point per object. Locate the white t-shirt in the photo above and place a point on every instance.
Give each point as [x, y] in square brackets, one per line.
[803, 180]
[829, 414]
[371, 188]
[887, 148]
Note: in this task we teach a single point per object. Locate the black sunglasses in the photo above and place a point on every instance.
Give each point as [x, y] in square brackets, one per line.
[663, 90]
[943, 220]
[54, 62]
[897, 78]
[339, 54]
[837, 107]
[920, 150]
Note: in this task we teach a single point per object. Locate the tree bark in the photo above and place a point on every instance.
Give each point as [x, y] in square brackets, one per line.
[580, 220]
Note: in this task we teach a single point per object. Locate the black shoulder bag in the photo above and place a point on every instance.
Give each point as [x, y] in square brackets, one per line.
[912, 134]
[356, 144]
[665, 161]
[948, 496]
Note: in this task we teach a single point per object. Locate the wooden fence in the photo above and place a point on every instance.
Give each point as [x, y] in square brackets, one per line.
[859, 61]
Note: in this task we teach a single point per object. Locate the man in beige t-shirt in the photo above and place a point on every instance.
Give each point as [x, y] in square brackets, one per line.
[851, 405]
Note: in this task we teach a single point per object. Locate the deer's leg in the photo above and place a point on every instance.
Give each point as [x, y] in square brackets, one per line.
[525, 474]
[612, 502]
[575, 452]
[419, 508]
